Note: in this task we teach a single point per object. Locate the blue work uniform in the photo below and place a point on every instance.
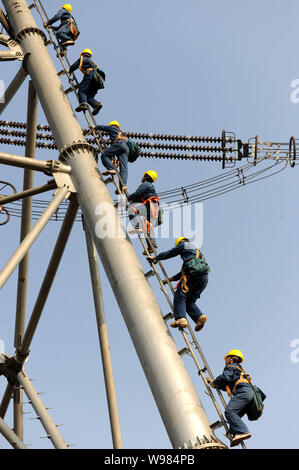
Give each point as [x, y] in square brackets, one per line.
[89, 87]
[144, 210]
[240, 398]
[118, 148]
[62, 31]
[185, 302]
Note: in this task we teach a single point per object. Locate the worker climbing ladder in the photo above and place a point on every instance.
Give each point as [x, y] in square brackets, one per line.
[88, 195]
[192, 348]
[65, 71]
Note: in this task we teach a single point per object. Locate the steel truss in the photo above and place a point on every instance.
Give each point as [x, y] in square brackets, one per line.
[72, 179]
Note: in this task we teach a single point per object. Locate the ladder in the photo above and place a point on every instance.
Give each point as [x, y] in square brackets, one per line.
[74, 84]
[192, 348]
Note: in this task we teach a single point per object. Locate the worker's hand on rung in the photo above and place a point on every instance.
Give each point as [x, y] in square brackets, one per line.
[151, 259]
[210, 382]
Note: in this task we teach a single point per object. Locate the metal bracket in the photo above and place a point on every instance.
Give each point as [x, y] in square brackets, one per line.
[184, 351]
[15, 51]
[62, 179]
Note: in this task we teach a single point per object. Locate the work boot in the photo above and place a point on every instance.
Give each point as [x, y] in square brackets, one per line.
[179, 323]
[68, 43]
[239, 438]
[82, 107]
[109, 172]
[200, 322]
[96, 109]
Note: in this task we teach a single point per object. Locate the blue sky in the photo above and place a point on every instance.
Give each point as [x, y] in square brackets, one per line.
[191, 68]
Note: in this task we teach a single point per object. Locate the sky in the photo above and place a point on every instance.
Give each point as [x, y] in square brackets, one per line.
[191, 68]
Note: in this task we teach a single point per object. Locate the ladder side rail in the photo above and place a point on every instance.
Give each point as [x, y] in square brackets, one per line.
[208, 388]
[44, 16]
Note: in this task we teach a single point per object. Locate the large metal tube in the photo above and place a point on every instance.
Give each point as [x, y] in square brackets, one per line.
[32, 109]
[104, 342]
[26, 214]
[6, 400]
[179, 405]
[32, 235]
[12, 89]
[11, 436]
[28, 193]
[41, 412]
[49, 276]
[33, 164]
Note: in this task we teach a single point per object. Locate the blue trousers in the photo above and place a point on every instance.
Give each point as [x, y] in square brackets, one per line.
[184, 302]
[120, 150]
[236, 408]
[88, 89]
[139, 211]
[62, 37]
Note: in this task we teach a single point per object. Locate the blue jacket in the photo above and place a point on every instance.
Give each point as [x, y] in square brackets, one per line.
[62, 15]
[229, 376]
[144, 191]
[186, 250]
[87, 63]
[112, 131]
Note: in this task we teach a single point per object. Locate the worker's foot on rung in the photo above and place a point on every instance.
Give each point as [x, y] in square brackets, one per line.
[239, 438]
[82, 107]
[200, 322]
[97, 108]
[179, 323]
[108, 172]
[68, 43]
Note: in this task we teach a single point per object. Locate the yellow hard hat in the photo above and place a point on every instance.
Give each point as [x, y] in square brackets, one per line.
[87, 51]
[153, 174]
[67, 7]
[178, 240]
[114, 123]
[235, 352]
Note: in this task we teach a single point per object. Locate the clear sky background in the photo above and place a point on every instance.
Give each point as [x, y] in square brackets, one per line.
[191, 68]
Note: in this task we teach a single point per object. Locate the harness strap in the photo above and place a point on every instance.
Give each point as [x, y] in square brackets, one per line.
[121, 136]
[243, 378]
[154, 205]
[85, 71]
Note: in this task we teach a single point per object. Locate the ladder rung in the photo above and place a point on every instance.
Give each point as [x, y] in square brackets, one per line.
[184, 351]
[216, 425]
[60, 73]
[69, 90]
[32, 6]
[48, 43]
[108, 180]
[149, 274]
[168, 316]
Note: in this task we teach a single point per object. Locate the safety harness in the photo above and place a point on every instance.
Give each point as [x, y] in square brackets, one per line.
[72, 26]
[152, 206]
[85, 71]
[184, 279]
[120, 136]
[244, 379]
